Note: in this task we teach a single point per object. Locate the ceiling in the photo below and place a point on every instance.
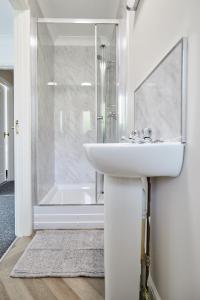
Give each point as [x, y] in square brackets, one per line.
[6, 18]
[89, 9]
[77, 9]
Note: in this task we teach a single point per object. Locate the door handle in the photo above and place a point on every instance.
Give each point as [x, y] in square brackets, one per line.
[99, 117]
[17, 126]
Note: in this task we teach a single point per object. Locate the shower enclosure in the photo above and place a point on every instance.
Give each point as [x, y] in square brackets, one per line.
[76, 103]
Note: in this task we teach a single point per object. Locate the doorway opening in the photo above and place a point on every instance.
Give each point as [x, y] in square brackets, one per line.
[7, 211]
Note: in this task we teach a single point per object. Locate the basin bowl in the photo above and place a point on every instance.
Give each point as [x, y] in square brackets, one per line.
[136, 160]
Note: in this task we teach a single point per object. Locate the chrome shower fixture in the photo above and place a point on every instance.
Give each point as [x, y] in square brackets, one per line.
[132, 5]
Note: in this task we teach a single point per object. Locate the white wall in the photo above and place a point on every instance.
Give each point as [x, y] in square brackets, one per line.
[175, 202]
[6, 51]
[6, 34]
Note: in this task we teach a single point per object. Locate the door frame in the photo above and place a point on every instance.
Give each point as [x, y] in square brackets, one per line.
[22, 118]
[3, 174]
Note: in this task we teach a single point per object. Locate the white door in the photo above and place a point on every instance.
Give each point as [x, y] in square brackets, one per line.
[2, 140]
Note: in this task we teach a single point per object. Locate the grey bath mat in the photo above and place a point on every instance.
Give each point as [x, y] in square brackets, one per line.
[62, 253]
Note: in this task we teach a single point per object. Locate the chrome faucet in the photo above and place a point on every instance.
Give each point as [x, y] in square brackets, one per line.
[136, 137]
[147, 133]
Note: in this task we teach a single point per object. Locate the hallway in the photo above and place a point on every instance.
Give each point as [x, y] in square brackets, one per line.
[7, 216]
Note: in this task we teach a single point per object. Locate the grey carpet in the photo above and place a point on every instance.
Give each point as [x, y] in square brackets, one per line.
[7, 188]
[62, 253]
[7, 222]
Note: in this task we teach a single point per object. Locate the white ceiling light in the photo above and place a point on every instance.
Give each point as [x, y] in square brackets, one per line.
[52, 83]
[86, 84]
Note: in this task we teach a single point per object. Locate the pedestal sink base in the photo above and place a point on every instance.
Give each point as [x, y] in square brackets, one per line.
[123, 222]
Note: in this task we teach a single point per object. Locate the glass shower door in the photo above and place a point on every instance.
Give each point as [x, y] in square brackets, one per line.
[106, 95]
[76, 104]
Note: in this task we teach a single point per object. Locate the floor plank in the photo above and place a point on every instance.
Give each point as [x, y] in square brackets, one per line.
[3, 293]
[44, 288]
[61, 289]
[84, 290]
[98, 285]
[38, 289]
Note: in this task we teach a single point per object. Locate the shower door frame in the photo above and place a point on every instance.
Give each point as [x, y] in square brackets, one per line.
[94, 22]
[77, 21]
[97, 193]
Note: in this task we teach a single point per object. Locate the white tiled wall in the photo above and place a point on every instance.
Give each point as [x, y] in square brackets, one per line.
[75, 113]
[158, 99]
[45, 114]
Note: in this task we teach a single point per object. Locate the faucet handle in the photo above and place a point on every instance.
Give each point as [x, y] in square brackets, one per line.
[147, 133]
[134, 134]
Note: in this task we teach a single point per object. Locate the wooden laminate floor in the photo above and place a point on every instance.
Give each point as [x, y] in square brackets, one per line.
[44, 288]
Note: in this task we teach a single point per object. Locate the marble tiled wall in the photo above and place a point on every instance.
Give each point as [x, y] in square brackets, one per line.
[45, 113]
[75, 113]
[158, 99]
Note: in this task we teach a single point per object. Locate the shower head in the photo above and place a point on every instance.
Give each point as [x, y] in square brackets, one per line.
[132, 5]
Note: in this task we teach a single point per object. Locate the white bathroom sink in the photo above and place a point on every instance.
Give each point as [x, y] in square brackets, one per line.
[123, 165]
[136, 160]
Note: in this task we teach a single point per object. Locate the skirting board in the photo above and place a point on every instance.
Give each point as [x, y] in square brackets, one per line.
[68, 217]
[153, 289]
